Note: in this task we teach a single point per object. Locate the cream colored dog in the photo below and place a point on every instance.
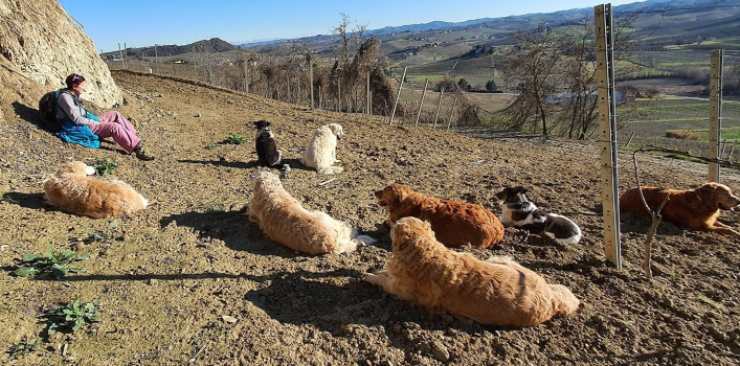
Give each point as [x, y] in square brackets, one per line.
[321, 153]
[495, 292]
[282, 218]
[71, 189]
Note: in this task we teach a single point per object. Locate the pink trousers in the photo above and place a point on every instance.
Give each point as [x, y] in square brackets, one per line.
[113, 124]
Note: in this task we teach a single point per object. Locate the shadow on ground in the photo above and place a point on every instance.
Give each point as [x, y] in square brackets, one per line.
[232, 227]
[293, 163]
[32, 116]
[33, 201]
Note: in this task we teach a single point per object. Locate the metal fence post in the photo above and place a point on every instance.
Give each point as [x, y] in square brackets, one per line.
[715, 114]
[608, 132]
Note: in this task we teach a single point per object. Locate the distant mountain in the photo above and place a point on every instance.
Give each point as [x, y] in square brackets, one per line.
[212, 45]
[659, 21]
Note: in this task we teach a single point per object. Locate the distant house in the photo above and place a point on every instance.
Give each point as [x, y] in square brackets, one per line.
[564, 97]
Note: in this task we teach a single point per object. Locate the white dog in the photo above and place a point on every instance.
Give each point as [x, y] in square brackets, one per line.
[283, 220]
[321, 153]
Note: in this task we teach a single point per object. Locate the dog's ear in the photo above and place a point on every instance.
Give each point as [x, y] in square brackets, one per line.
[261, 124]
[504, 193]
[707, 190]
[400, 192]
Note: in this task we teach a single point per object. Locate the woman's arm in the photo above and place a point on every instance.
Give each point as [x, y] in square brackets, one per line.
[67, 105]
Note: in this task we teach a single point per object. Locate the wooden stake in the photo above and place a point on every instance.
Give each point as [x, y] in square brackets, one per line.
[310, 77]
[452, 110]
[627, 145]
[398, 96]
[608, 132]
[421, 103]
[339, 92]
[369, 108]
[246, 76]
[715, 114]
[439, 107]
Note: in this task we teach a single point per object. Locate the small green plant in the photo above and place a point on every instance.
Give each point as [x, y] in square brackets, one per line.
[234, 139]
[23, 348]
[55, 264]
[105, 166]
[211, 146]
[71, 317]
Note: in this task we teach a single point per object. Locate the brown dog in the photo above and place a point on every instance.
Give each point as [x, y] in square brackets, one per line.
[695, 209]
[72, 190]
[496, 292]
[455, 223]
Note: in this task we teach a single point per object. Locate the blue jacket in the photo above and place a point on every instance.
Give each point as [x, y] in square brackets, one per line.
[73, 133]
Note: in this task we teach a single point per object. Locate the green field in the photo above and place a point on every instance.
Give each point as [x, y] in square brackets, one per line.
[729, 134]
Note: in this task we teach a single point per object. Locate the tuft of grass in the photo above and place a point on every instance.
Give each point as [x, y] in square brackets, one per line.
[22, 348]
[105, 166]
[54, 264]
[71, 317]
[234, 139]
[211, 146]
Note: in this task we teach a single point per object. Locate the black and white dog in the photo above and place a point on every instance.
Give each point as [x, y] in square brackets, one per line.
[520, 212]
[267, 153]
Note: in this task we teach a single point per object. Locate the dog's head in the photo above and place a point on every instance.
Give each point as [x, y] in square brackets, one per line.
[406, 232]
[76, 168]
[336, 129]
[513, 194]
[719, 195]
[262, 124]
[392, 195]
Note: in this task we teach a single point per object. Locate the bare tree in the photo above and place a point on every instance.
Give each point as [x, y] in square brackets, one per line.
[342, 30]
[533, 65]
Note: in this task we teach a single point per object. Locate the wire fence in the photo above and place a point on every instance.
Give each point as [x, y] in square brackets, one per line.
[662, 94]
[671, 107]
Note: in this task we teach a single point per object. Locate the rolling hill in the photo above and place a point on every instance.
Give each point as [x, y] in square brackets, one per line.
[213, 45]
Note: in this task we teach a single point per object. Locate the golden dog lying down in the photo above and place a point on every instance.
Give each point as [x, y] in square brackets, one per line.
[496, 292]
[695, 209]
[72, 190]
[282, 218]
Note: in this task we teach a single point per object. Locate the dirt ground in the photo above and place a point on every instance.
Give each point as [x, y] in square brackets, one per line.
[165, 278]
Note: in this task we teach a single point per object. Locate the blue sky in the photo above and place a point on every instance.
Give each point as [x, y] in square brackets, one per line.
[145, 22]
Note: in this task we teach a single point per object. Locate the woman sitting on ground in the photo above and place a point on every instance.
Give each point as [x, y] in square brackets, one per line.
[84, 128]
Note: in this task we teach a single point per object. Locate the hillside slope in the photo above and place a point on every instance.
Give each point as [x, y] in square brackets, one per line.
[165, 278]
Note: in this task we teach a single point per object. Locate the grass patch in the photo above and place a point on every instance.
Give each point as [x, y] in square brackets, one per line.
[728, 134]
[22, 348]
[54, 264]
[105, 166]
[71, 317]
[234, 139]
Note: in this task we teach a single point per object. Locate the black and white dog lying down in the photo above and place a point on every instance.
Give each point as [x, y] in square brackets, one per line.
[522, 213]
[267, 153]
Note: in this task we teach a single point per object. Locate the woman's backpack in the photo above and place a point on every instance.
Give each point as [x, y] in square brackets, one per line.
[48, 111]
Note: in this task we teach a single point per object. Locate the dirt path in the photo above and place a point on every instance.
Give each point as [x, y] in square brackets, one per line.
[164, 279]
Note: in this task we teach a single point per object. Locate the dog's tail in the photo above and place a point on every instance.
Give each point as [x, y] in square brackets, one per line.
[330, 170]
[564, 301]
[363, 239]
[562, 230]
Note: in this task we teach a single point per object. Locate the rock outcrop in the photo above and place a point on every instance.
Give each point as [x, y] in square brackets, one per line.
[39, 40]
